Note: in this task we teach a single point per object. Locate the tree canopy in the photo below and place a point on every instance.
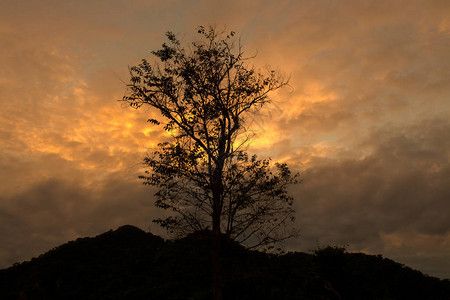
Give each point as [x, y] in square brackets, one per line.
[206, 92]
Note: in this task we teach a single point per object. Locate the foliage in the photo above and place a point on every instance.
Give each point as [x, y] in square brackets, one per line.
[205, 94]
[129, 263]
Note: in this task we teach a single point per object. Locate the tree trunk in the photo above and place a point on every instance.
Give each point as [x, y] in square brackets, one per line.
[216, 241]
[217, 193]
[217, 268]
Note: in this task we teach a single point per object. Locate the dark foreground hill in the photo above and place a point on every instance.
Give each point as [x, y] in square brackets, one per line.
[129, 263]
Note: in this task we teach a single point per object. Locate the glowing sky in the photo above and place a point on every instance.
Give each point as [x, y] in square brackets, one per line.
[365, 121]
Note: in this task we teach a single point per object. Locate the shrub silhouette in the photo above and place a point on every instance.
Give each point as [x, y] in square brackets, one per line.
[129, 263]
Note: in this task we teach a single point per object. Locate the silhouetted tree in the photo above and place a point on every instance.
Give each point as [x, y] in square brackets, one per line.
[205, 93]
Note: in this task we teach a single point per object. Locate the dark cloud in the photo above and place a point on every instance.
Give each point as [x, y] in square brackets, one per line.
[401, 188]
[54, 211]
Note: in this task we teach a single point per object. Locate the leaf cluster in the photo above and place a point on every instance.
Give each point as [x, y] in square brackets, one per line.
[205, 94]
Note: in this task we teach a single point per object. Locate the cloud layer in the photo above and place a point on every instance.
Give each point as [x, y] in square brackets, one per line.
[365, 119]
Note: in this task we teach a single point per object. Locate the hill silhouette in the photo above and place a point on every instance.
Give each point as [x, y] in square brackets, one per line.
[129, 263]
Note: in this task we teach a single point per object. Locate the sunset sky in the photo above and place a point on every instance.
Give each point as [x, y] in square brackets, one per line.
[366, 119]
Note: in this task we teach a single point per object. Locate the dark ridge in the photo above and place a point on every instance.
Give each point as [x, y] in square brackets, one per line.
[129, 263]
